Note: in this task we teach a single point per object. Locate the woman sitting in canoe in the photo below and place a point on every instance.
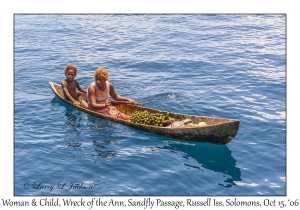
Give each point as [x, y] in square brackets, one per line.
[98, 95]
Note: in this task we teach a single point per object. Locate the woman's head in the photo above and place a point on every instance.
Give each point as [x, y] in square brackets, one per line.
[101, 72]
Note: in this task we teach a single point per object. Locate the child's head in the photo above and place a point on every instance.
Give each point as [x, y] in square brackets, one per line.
[70, 67]
[101, 72]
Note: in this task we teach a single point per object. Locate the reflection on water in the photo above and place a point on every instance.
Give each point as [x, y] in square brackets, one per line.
[102, 148]
[72, 130]
[75, 144]
[96, 128]
[99, 126]
[103, 143]
[216, 158]
[73, 121]
[104, 153]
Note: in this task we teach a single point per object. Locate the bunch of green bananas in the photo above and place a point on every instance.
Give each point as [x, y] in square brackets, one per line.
[147, 118]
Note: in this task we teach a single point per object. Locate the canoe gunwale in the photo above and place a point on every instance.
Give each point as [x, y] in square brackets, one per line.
[221, 133]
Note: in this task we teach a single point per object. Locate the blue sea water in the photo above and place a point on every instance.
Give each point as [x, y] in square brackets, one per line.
[230, 66]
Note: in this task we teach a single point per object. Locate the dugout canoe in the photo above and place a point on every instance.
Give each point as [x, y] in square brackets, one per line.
[218, 130]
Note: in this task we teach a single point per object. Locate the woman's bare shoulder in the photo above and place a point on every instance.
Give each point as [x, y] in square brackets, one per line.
[91, 87]
[110, 84]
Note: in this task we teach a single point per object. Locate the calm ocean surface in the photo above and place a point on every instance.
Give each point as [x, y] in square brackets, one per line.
[230, 66]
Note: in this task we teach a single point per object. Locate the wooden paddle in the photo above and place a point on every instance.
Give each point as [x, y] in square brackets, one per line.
[123, 102]
[149, 101]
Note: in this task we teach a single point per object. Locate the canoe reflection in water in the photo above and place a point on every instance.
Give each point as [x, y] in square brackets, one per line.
[213, 157]
[97, 129]
[101, 129]
[104, 151]
[72, 130]
[216, 158]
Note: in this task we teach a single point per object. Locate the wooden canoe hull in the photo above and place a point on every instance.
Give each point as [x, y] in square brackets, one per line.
[219, 130]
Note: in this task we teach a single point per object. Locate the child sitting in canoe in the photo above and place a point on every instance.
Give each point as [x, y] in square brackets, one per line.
[69, 86]
[98, 95]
